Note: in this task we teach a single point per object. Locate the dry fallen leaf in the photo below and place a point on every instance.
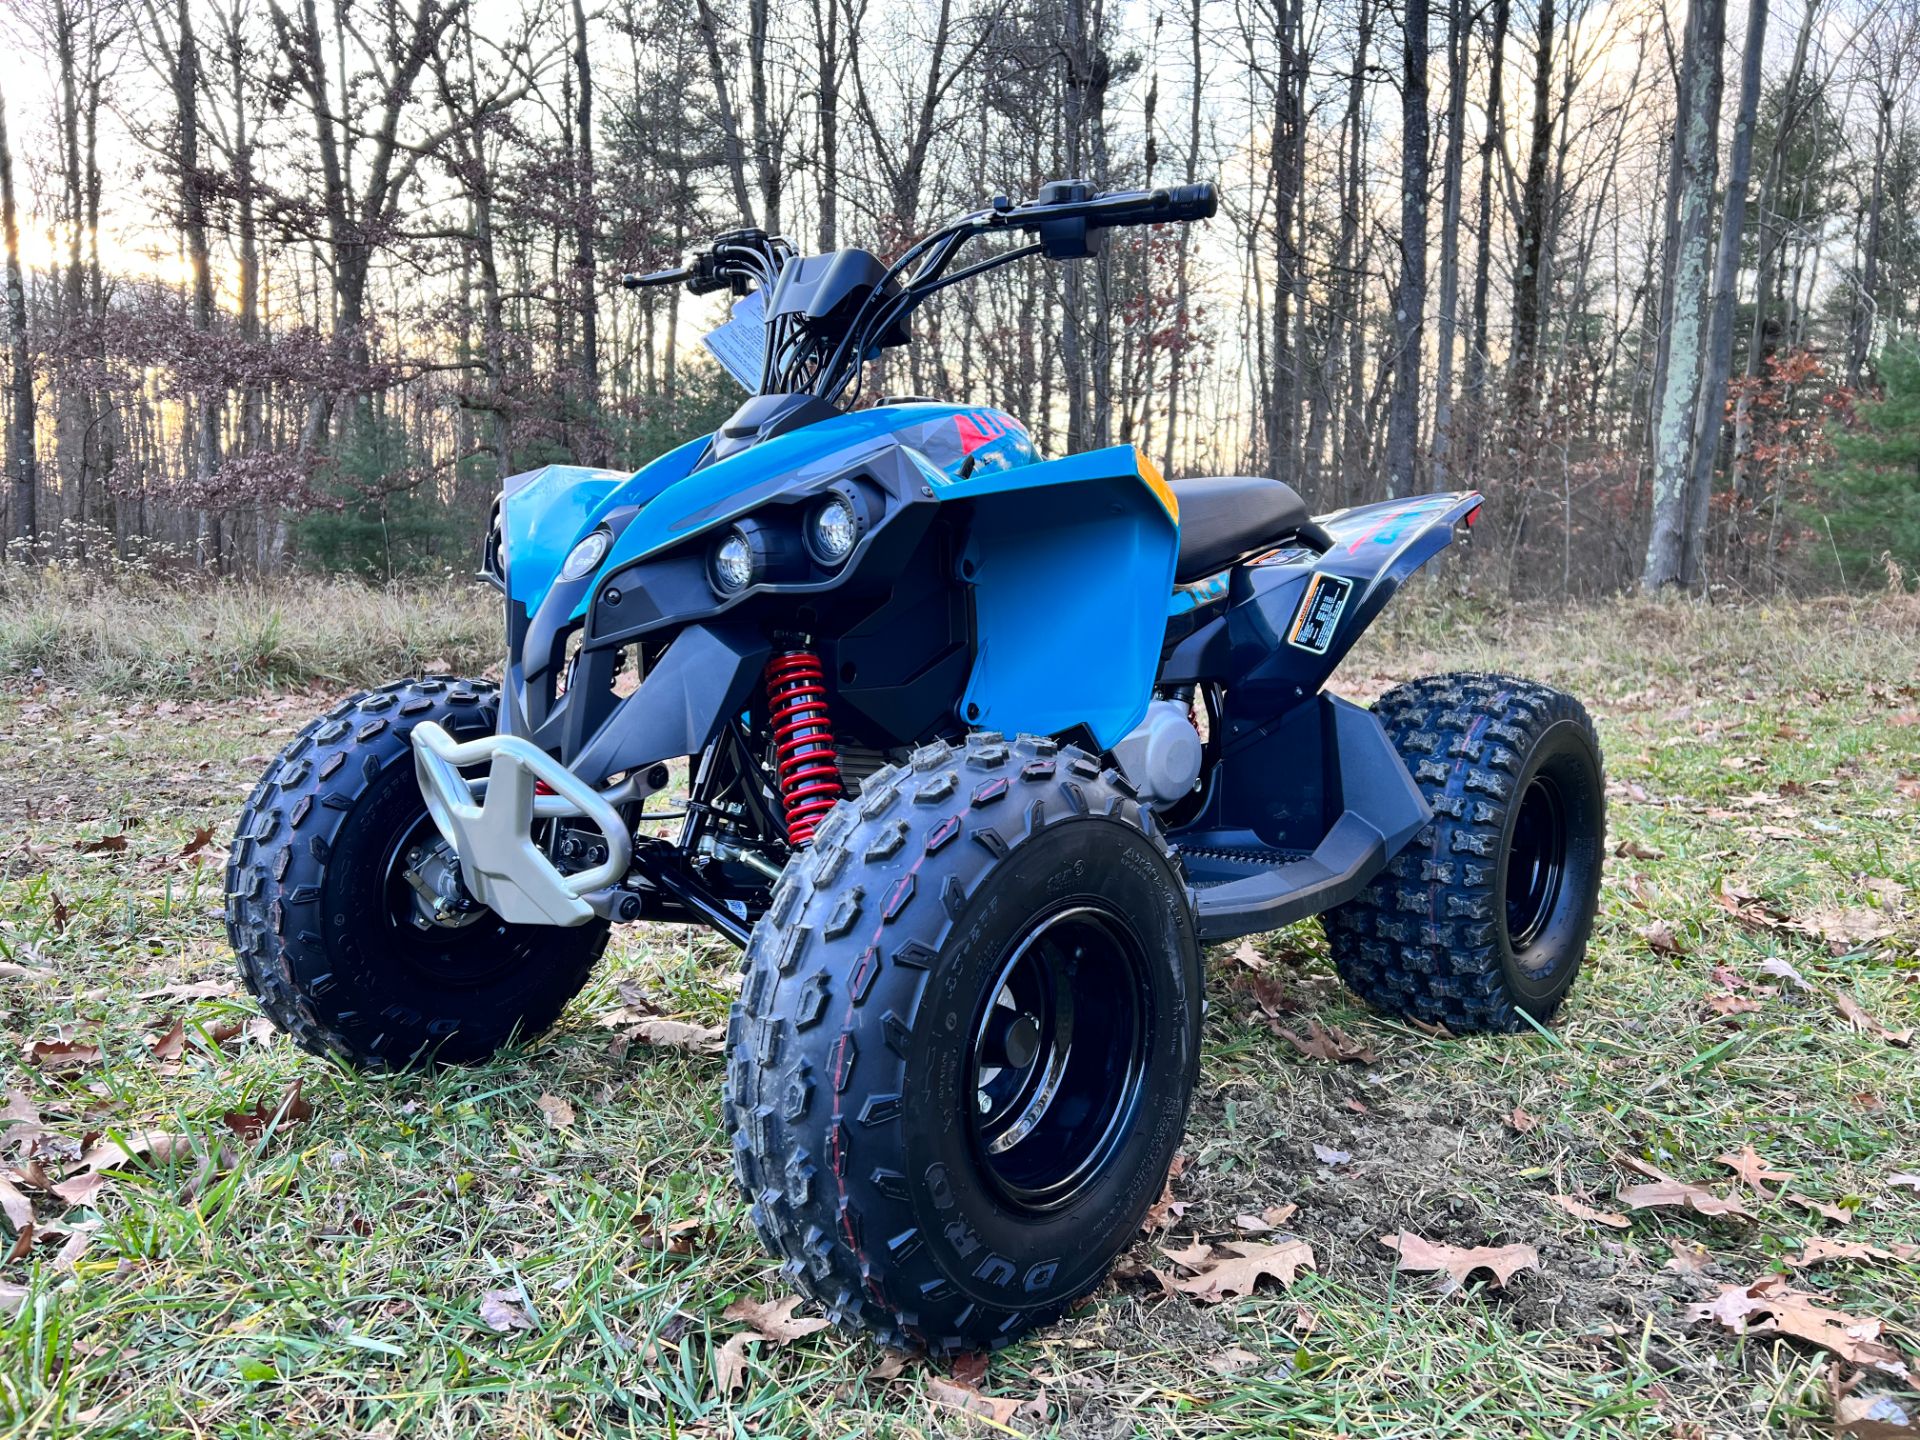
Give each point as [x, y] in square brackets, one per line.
[1783, 970]
[955, 1395]
[1840, 1215]
[1459, 1262]
[106, 844]
[157, 1145]
[170, 1045]
[12, 1297]
[1580, 1210]
[61, 1056]
[15, 1206]
[558, 1112]
[730, 1363]
[1770, 1306]
[1193, 1256]
[503, 1310]
[1911, 1182]
[192, 990]
[1639, 850]
[1817, 1250]
[1238, 1273]
[1724, 1004]
[1329, 1043]
[1521, 1121]
[1661, 939]
[1753, 1170]
[1875, 1417]
[1847, 930]
[1327, 1155]
[1271, 1218]
[1677, 1194]
[774, 1320]
[1857, 1017]
[1164, 1211]
[250, 1125]
[680, 1035]
[80, 1189]
[1688, 1257]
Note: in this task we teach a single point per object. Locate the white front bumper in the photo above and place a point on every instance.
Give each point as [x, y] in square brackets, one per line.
[492, 833]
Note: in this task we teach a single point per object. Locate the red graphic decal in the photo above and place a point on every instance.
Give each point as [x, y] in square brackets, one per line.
[972, 434]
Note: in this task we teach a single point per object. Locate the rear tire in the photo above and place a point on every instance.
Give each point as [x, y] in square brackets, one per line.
[320, 918]
[1484, 917]
[923, 1145]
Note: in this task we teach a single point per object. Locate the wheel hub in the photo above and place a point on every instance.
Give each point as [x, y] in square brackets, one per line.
[1536, 861]
[1058, 1057]
[438, 900]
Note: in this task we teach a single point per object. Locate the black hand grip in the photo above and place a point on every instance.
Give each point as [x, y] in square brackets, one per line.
[1192, 202]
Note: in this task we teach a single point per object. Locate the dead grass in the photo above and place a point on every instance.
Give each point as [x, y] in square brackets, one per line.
[329, 1276]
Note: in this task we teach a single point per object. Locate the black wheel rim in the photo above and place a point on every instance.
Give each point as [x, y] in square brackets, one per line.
[1058, 1055]
[1536, 861]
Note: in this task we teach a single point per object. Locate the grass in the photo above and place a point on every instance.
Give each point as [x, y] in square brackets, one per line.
[329, 1274]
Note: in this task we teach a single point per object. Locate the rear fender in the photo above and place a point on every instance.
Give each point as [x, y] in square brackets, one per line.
[1293, 614]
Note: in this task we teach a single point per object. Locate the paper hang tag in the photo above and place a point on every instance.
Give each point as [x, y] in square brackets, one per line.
[740, 344]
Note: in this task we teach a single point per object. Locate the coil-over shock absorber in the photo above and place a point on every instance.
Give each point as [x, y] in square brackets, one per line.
[805, 756]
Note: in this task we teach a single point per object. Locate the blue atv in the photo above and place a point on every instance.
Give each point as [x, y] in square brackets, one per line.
[982, 749]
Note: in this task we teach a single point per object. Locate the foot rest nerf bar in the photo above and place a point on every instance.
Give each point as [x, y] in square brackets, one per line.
[1383, 811]
[500, 864]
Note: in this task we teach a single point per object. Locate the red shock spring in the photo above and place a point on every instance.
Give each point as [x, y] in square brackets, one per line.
[804, 752]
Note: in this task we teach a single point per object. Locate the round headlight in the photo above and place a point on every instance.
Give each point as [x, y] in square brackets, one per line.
[732, 562]
[835, 528]
[585, 557]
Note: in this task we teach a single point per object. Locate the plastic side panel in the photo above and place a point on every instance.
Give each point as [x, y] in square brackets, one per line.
[1071, 563]
[545, 512]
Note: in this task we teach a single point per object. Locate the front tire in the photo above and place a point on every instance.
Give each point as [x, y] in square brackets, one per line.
[1484, 917]
[330, 932]
[965, 1045]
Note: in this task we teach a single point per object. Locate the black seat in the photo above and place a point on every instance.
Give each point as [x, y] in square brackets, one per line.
[1224, 518]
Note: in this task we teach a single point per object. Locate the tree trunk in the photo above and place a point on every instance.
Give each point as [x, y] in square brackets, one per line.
[1410, 297]
[23, 468]
[1668, 544]
[1710, 418]
[586, 219]
[1459, 31]
[1523, 383]
[1492, 141]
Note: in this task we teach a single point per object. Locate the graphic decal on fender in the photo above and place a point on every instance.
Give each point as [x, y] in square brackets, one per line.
[1319, 613]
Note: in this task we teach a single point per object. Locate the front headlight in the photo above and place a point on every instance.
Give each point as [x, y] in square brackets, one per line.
[833, 529]
[585, 557]
[733, 563]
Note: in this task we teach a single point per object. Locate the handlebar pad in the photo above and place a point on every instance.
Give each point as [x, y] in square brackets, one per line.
[1192, 202]
[1177, 203]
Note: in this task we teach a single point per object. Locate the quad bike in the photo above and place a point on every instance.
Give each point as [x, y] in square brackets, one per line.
[983, 749]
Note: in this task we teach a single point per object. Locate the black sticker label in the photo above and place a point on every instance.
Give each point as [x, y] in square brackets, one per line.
[1319, 614]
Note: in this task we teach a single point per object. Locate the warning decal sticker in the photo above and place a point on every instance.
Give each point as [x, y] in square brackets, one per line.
[1319, 613]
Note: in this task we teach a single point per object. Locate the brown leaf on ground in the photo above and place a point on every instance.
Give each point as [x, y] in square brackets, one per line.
[170, 1045]
[1817, 1250]
[12, 1297]
[1460, 1262]
[680, 1035]
[1580, 1210]
[1752, 1170]
[1661, 939]
[730, 1363]
[1248, 956]
[503, 1310]
[59, 1057]
[955, 1396]
[1769, 1306]
[1164, 1211]
[893, 1364]
[1857, 1017]
[1836, 1213]
[682, 1237]
[1193, 1256]
[1427, 1027]
[250, 1125]
[1523, 1122]
[202, 837]
[22, 1244]
[1232, 1361]
[1875, 1417]
[1783, 970]
[1677, 1194]
[1726, 1004]
[1271, 1218]
[1239, 1272]
[14, 1205]
[1688, 1258]
[80, 1189]
[1746, 906]
[191, 990]
[11, 971]
[1638, 850]
[969, 1367]
[1912, 1182]
[1846, 929]
[774, 1320]
[105, 845]
[1331, 1044]
[156, 1145]
[558, 1112]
